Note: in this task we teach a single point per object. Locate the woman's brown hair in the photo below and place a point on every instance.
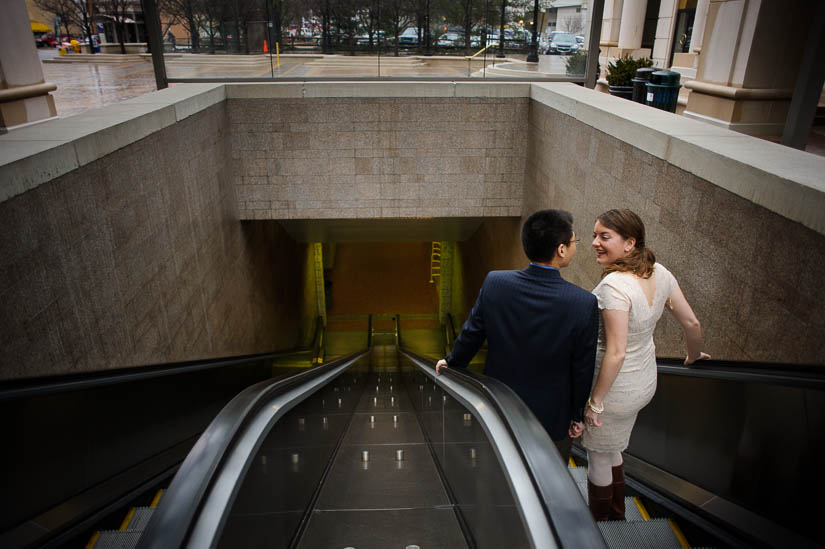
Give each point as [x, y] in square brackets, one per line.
[640, 260]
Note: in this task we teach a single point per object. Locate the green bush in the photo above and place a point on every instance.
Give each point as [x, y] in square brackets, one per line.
[621, 71]
[576, 64]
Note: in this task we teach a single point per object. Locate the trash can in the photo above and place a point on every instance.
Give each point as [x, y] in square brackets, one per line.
[642, 78]
[663, 90]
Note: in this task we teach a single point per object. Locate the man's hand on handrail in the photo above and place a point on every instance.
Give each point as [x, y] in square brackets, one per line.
[439, 365]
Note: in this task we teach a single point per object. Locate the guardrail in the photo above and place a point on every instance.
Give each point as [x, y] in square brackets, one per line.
[476, 54]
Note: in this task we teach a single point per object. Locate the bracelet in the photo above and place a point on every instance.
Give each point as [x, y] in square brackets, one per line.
[593, 407]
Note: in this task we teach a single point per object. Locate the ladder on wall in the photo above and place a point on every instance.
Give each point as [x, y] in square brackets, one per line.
[435, 261]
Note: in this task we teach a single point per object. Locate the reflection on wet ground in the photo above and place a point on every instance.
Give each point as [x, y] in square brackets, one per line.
[85, 86]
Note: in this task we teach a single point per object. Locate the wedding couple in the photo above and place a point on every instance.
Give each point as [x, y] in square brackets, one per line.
[580, 376]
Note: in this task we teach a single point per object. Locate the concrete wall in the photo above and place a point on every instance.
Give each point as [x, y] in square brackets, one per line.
[414, 150]
[137, 258]
[752, 276]
[120, 242]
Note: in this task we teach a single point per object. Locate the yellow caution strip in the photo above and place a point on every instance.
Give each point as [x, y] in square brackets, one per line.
[679, 535]
[642, 510]
[572, 463]
[156, 499]
[93, 540]
[127, 520]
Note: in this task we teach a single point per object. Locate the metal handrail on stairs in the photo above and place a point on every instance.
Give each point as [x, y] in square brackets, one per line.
[476, 54]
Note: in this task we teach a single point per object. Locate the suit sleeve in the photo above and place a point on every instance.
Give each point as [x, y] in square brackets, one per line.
[583, 363]
[472, 336]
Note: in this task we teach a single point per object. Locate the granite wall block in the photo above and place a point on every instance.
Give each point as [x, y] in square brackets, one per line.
[138, 258]
[752, 276]
[378, 157]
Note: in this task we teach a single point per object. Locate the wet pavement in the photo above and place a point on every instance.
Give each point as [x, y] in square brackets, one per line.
[85, 86]
[88, 85]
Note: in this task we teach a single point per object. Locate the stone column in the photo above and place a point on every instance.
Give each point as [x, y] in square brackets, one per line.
[633, 23]
[610, 23]
[699, 25]
[741, 83]
[24, 95]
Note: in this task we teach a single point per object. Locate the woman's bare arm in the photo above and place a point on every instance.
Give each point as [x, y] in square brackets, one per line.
[615, 331]
[680, 308]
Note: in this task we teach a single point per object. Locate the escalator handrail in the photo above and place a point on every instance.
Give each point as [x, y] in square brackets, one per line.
[794, 375]
[172, 520]
[564, 507]
[31, 387]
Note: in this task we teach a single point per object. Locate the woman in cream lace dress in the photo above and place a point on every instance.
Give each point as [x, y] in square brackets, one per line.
[632, 295]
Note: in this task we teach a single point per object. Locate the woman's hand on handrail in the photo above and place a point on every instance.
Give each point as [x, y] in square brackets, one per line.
[439, 365]
[702, 356]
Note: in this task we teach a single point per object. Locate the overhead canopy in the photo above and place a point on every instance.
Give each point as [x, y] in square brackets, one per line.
[39, 27]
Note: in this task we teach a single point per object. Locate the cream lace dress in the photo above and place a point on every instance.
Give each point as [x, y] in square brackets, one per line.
[635, 384]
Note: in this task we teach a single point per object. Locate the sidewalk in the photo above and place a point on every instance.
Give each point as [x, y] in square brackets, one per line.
[85, 86]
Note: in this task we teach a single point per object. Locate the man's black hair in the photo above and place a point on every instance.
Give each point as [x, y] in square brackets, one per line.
[543, 231]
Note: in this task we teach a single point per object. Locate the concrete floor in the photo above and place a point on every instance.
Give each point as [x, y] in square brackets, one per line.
[85, 86]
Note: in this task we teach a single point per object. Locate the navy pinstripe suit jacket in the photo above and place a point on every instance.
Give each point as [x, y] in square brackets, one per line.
[541, 341]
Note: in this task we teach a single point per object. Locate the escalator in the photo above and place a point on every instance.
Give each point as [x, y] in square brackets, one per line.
[451, 461]
[384, 453]
[373, 450]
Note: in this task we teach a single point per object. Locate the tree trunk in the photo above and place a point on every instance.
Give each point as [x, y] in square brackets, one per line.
[194, 33]
[88, 28]
[121, 32]
[468, 29]
[501, 30]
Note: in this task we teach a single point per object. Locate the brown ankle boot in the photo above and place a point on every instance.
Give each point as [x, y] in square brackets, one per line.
[617, 503]
[599, 499]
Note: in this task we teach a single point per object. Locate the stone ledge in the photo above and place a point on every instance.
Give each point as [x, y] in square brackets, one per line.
[39, 153]
[784, 180]
[356, 89]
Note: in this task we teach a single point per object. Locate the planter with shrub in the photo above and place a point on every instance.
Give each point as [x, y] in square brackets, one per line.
[620, 74]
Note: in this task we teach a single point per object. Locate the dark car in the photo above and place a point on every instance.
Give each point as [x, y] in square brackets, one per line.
[563, 43]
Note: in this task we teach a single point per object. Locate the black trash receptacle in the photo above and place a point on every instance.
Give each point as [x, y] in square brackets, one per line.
[663, 90]
[639, 88]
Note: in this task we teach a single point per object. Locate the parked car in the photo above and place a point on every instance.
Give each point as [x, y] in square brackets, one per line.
[563, 43]
[45, 41]
[409, 37]
[449, 39]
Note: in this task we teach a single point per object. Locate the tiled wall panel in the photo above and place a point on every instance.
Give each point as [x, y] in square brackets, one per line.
[378, 157]
[753, 277]
[138, 258]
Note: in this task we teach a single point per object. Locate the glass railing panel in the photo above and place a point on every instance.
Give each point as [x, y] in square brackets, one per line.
[284, 474]
[469, 463]
[380, 39]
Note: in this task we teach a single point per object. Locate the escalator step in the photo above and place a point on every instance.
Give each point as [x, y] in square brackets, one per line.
[140, 519]
[653, 533]
[116, 539]
[579, 474]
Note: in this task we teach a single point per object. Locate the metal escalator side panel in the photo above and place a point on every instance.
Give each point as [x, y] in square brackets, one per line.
[201, 482]
[553, 512]
[214, 512]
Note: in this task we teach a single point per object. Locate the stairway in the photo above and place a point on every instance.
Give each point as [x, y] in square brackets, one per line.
[638, 530]
[126, 537]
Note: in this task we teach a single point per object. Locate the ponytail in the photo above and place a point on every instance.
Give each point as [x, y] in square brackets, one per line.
[639, 262]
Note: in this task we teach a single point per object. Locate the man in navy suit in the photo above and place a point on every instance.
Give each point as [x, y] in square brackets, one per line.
[541, 330]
